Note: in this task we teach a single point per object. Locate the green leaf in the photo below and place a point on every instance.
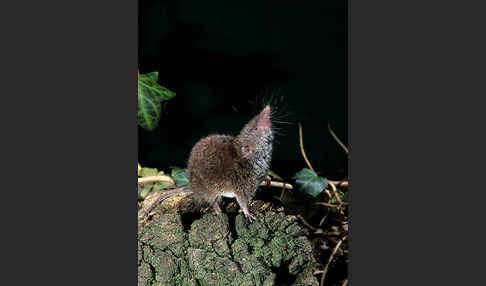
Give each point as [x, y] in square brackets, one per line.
[152, 75]
[275, 176]
[309, 182]
[143, 191]
[162, 185]
[342, 195]
[144, 172]
[180, 176]
[150, 97]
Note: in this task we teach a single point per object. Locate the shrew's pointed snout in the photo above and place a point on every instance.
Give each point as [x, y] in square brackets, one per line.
[267, 109]
[264, 118]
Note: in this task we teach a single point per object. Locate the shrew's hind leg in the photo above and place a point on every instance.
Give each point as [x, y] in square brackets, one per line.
[216, 206]
[244, 206]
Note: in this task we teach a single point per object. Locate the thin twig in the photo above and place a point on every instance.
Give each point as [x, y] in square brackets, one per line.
[330, 259]
[302, 148]
[338, 198]
[152, 179]
[323, 219]
[282, 193]
[337, 139]
[277, 185]
[339, 183]
[158, 197]
[165, 178]
[328, 193]
[165, 194]
[326, 204]
[306, 223]
[269, 183]
[334, 190]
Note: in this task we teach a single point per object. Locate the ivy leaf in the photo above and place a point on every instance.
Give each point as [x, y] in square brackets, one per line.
[180, 176]
[145, 172]
[143, 191]
[162, 185]
[150, 97]
[152, 76]
[275, 176]
[309, 182]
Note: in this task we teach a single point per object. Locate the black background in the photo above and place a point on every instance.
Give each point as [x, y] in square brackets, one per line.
[220, 57]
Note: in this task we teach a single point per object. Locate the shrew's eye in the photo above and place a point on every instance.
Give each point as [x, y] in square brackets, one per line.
[245, 148]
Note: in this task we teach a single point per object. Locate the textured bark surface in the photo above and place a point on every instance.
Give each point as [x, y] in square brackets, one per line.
[222, 250]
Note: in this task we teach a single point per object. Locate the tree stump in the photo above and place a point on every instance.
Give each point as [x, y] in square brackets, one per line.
[206, 249]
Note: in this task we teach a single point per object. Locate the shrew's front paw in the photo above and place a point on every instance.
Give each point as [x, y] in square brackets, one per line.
[248, 215]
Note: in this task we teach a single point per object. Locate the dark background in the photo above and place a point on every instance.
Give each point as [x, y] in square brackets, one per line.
[220, 56]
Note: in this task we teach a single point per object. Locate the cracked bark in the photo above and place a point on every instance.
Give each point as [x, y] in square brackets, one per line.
[222, 250]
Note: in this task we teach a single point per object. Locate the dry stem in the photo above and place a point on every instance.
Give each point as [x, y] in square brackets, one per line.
[343, 183]
[334, 190]
[156, 198]
[306, 223]
[287, 186]
[323, 219]
[302, 148]
[330, 259]
[337, 139]
[327, 205]
[152, 179]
